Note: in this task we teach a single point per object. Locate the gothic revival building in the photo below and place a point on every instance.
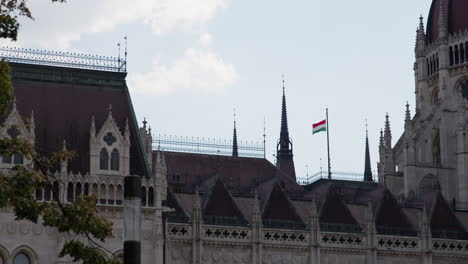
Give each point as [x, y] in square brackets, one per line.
[200, 208]
[432, 151]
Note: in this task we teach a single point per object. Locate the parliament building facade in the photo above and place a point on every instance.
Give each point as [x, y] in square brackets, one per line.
[202, 208]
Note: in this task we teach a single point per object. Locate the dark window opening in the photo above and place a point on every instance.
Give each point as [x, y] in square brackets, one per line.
[47, 192]
[78, 190]
[70, 191]
[39, 194]
[436, 148]
[104, 159]
[7, 159]
[451, 56]
[462, 54]
[143, 196]
[464, 90]
[86, 189]
[18, 159]
[115, 160]
[150, 197]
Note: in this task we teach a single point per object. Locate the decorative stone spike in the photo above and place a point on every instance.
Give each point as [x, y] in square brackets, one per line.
[407, 113]
[93, 127]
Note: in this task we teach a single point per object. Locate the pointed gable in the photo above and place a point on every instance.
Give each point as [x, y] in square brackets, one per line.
[390, 217]
[220, 208]
[335, 215]
[442, 217]
[279, 212]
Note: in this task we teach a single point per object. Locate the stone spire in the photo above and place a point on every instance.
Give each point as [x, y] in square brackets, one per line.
[388, 133]
[64, 162]
[407, 114]
[235, 152]
[284, 155]
[367, 164]
[127, 130]
[443, 29]
[381, 142]
[420, 38]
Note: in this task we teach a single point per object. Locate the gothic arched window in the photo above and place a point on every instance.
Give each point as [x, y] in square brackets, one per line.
[56, 190]
[110, 195]
[462, 54]
[103, 159]
[457, 57]
[78, 189]
[86, 189]
[7, 159]
[150, 197]
[115, 160]
[18, 159]
[22, 258]
[70, 191]
[143, 196]
[451, 56]
[436, 148]
[38, 195]
[47, 192]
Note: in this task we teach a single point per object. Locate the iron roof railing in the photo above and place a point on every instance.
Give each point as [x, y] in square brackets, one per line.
[63, 59]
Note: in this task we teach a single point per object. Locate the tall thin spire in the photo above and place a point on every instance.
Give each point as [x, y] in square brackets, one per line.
[284, 155]
[387, 133]
[284, 141]
[367, 164]
[235, 152]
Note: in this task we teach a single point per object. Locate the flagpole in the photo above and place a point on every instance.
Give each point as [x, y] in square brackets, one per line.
[328, 147]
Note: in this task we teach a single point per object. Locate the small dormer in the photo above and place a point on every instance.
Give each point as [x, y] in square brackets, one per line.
[109, 148]
[15, 127]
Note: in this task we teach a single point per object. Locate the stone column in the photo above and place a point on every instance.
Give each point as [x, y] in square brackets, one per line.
[256, 233]
[197, 221]
[371, 256]
[314, 244]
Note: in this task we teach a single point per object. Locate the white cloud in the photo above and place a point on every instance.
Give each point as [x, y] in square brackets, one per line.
[197, 70]
[205, 40]
[170, 15]
[57, 25]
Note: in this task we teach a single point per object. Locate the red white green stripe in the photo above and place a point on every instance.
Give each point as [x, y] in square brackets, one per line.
[319, 127]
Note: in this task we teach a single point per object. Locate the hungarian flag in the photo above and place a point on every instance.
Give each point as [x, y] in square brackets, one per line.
[319, 127]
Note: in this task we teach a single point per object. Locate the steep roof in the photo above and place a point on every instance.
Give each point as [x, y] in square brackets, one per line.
[390, 214]
[190, 169]
[219, 203]
[278, 208]
[335, 211]
[442, 217]
[64, 101]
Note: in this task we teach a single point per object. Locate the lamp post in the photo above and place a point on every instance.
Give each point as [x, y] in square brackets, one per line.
[132, 220]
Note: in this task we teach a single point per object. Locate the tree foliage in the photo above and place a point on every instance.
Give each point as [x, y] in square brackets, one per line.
[79, 219]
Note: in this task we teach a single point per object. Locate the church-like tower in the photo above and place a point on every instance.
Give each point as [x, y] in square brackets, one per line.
[433, 150]
[284, 153]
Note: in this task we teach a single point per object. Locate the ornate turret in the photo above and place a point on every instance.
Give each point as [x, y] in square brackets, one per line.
[284, 156]
[420, 38]
[367, 164]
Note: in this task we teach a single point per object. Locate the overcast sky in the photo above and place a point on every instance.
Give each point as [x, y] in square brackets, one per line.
[190, 62]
